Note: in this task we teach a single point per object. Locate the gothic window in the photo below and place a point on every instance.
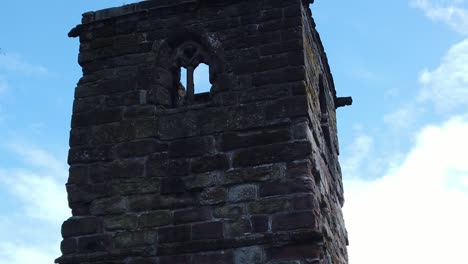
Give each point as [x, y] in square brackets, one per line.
[188, 57]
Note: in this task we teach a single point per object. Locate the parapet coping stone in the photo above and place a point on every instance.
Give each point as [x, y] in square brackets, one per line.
[94, 16]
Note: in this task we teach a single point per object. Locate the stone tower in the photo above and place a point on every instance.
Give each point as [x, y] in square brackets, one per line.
[247, 173]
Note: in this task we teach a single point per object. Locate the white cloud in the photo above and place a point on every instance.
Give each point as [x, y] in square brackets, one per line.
[12, 62]
[40, 159]
[447, 85]
[19, 254]
[42, 196]
[358, 151]
[31, 233]
[40, 189]
[416, 213]
[451, 12]
[403, 117]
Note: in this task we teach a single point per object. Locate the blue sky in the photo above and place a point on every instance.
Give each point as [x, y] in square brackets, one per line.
[403, 142]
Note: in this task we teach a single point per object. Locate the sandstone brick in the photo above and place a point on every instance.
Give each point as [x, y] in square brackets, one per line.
[229, 211]
[172, 185]
[177, 233]
[240, 227]
[203, 180]
[78, 175]
[105, 206]
[309, 251]
[136, 186]
[192, 147]
[254, 255]
[231, 141]
[272, 153]
[269, 205]
[222, 257]
[260, 223]
[140, 148]
[120, 222]
[154, 219]
[209, 163]
[111, 133]
[242, 193]
[135, 239]
[76, 226]
[207, 230]
[69, 246]
[212, 196]
[293, 220]
[252, 174]
[183, 259]
[123, 169]
[95, 243]
[192, 215]
[88, 155]
[159, 165]
[297, 185]
[140, 260]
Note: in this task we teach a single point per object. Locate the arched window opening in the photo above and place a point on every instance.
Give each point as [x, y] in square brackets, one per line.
[194, 82]
[202, 79]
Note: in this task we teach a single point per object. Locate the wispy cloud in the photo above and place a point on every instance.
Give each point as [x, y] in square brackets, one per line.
[403, 117]
[451, 12]
[418, 207]
[365, 74]
[12, 62]
[447, 85]
[42, 197]
[357, 153]
[36, 189]
[39, 158]
[20, 254]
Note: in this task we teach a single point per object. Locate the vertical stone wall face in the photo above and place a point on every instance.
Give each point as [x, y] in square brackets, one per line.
[248, 173]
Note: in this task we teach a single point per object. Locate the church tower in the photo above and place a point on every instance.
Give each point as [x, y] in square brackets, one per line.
[161, 173]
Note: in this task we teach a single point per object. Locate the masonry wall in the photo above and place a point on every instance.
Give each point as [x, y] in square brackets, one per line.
[247, 173]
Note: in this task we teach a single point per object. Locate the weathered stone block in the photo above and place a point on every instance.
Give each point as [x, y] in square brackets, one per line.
[95, 243]
[237, 228]
[207, 230]
[209, 163]
[272, 153]
[120, 222]
[229, 211]
[154, 219]
[192, 147]
[242, 193]
[269, 205]
[81, 226]
[135, 239]
[177, 233]
[212, 196]
[140, 148]
[192, 215]
[293, 220]
[230, 141]
[108, 206]
[69, 246]
[222, 257]
[254, 255]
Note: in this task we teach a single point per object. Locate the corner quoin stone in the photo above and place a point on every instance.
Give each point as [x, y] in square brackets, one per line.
[245, 173]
